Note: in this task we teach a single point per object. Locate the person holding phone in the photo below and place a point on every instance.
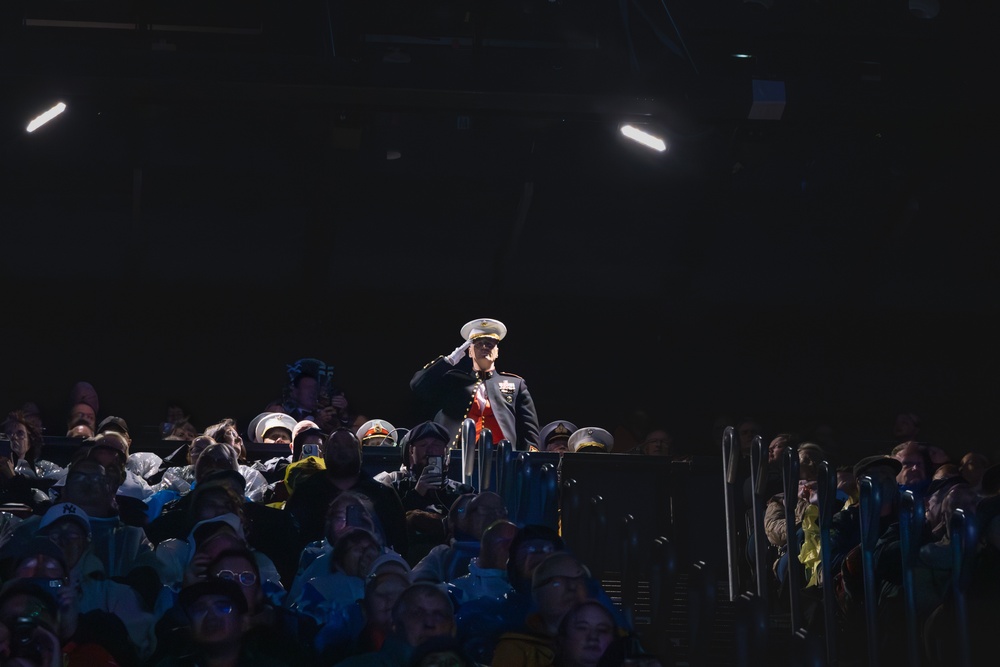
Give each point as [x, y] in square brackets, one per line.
[424, 487]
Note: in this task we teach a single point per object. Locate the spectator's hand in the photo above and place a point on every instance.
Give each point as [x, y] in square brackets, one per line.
[429, 480]
[197, 569]
[6, 468]
[69, 612]
[339, 402]
[459, 352]
[327, 419]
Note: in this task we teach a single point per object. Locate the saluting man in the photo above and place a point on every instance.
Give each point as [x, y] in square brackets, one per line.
[466, 384]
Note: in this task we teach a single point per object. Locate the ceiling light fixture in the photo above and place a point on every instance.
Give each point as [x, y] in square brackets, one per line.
[645, 138]
[42, 119]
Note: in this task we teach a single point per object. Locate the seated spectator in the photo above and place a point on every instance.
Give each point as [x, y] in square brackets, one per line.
[182, 430]
[590, 439]
[307, 443]
[226, 432]
[422, 613]
[218, 523]
[487, 577]
[91, 487]
[332, 595]
[382, 592]
[217, 612]
[143, 465]
[313, 495]
[587, 634]
[37, 587]
[377, 433]
[810, 456]
[445, 561]
[110, 449]
[348, 511]
[554, 436]
[658, 442]
[557, 585]
[26, 476]
[178, 480]
[917, 467]
[269, 630]
[451, 560]
[426, 491]
[972, 467]
[68, 526]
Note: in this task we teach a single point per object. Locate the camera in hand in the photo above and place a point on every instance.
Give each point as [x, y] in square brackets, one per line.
[22, 640]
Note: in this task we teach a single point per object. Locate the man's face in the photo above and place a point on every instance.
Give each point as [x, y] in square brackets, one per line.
[484, 352]
[427, 616]
[237, 569]
[561, 589]
[359, 557]
[70, 536]
[557, 444]
[657, 443]
[914, 467]
[18, 434]
[277, 435]
[378, 605]
[486, 508]
[41, 566]
[529, 554]
[904, 427]
[88, 485]
[776, 449]
[82, 412]
[215, 620]
[306, 393]
[342, 455]
[424, 447]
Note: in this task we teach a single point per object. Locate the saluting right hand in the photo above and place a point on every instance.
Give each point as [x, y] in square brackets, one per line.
[459, 352]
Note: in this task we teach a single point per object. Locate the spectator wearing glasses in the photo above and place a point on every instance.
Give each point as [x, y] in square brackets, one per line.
[24, 475]
[216, 612]
[557, 585]
[68, 527]
[267, 625]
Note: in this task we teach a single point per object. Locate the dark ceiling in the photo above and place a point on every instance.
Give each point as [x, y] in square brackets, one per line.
[395, 167]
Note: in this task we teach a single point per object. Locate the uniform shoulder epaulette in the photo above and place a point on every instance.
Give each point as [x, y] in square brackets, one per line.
[432, 362]
[510, 375]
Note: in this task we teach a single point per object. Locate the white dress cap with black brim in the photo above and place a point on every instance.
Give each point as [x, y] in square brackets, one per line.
[484, 327]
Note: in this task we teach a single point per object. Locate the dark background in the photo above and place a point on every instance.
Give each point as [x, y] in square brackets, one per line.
[214, 206]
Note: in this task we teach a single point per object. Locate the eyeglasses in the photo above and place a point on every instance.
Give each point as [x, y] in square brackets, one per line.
[59, 536]
[538, 548]
[562, 581]
[218, 607]
[244, 578]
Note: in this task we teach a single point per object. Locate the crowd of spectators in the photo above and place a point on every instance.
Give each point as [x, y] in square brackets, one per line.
[120, 556]
[211, 557]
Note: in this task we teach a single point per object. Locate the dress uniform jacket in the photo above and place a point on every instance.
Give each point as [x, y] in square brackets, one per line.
[453, 387]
